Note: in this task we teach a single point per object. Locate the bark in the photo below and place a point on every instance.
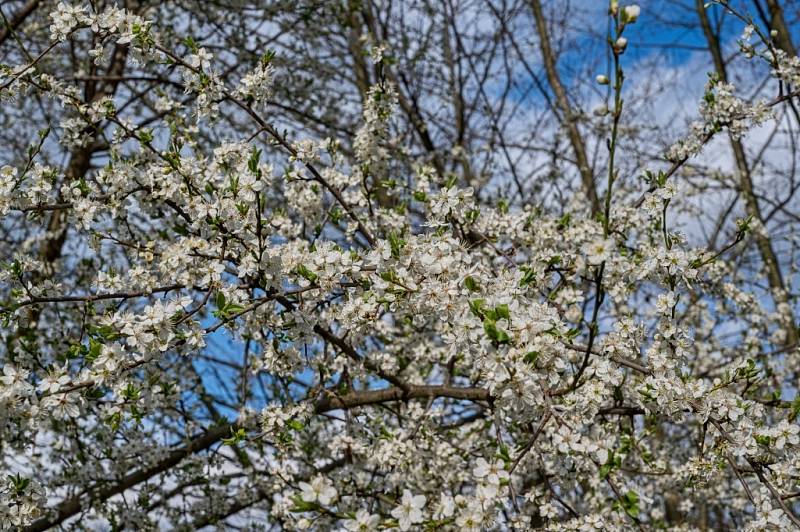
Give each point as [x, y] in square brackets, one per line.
[17, 19]
[778, 23]
[563, 104]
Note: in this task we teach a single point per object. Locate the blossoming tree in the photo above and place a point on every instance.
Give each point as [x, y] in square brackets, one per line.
[253, 279]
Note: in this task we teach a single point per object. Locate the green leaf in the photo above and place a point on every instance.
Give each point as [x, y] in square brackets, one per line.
[267, 58]
[95, 348]
[476, 306]
[103, 332]
[191, 44]
[396, 243]
[295, 424]
[502, 312]
[18, 482]
[630, 503]
[237, 436]
[146, 136]
[612, 462]
[498, 336]
[528, 277]
[471, 284]
[304, 272]
[503, 454]
[302, 506]
[763, 440]
[114, 420]
[252, 162]
[795, 408]
[131, 392]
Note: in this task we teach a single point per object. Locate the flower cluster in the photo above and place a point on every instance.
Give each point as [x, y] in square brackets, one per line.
[720, 108]
[207, 311]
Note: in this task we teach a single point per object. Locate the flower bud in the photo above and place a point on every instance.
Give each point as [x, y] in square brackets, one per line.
[613, 7]
[773, 33]
[600, 110]
[602, 79]
[620, 45]
[630, 14]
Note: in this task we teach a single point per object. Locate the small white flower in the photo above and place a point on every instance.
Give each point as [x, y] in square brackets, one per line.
[376, 54]
[409, 511]
[8, 172]
[363, 522]
[599, 250]
[548, 511]
[12, 375]
[470, 520]
[52, 383]
[787, 433]
[494, 473]
[319, 490]
[201, 60]
[445, 508]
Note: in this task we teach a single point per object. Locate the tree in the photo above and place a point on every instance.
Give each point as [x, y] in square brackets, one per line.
[369, 265]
